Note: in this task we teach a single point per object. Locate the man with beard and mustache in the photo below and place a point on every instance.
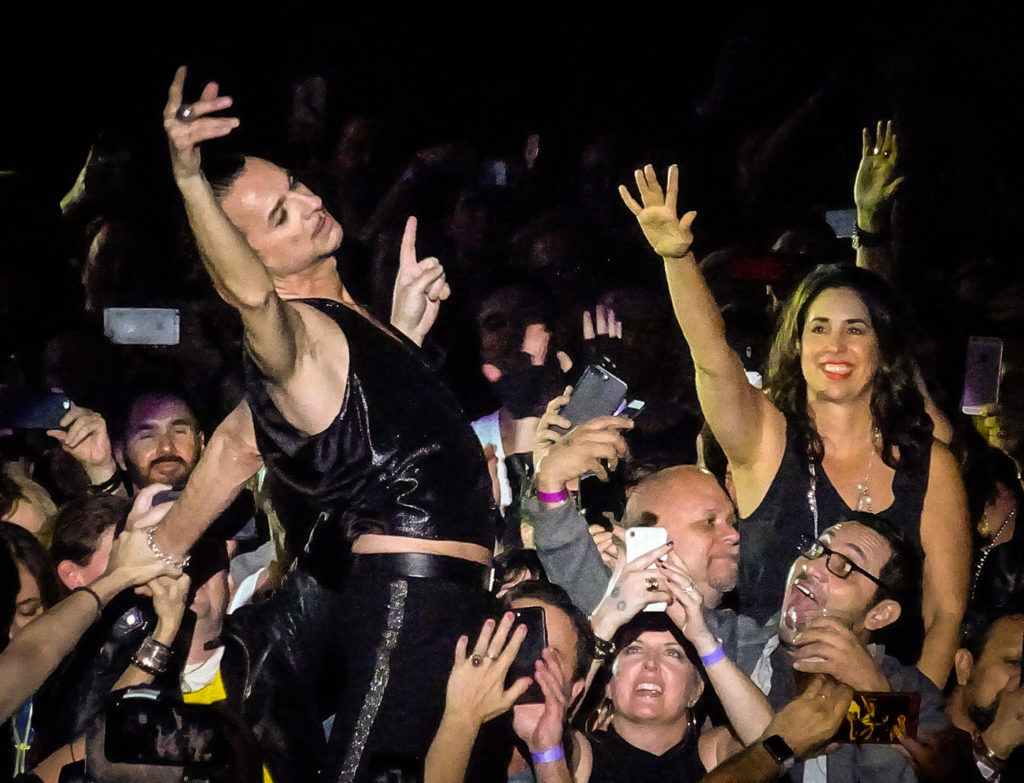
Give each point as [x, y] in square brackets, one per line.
[160, 443]
[987, 705]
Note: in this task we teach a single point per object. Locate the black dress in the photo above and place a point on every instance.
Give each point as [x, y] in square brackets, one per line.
[616, 761]
[769, 536]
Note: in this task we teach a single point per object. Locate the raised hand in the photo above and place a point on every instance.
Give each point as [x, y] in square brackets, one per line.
[476, 687]
[687, 603]
[420, 287]
[541, 726]
[84, 436]
[187, 125]
[169, 595]
[602, 335]
[875, 184]
[594, 446]
[668, 234]
[808, 722]
[827, 646]
[636, 586]
[546, 436]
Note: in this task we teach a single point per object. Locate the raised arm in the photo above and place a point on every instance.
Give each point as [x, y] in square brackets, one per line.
[229, 460]
[873, 191]
[42, 644]
[272, 331]
[737, 412]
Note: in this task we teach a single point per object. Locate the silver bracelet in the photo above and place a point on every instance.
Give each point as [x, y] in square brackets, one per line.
[163, 556]
[152, 656]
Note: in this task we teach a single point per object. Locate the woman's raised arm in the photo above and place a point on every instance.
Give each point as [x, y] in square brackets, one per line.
[737, 412]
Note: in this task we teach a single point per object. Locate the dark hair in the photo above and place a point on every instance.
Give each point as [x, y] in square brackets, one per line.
[977, 625]
[10, 494]
[902, 576]
[81, 522]
[10, 586]
[897, 406]
[222, 170]
[513, 561]
[990, 468]
[26, 550]
[119, 422]
[555, 596]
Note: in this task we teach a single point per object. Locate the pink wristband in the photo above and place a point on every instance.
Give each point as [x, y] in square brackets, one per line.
[554, 497]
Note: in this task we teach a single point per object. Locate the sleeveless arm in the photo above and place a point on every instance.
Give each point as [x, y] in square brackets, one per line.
[946, 540]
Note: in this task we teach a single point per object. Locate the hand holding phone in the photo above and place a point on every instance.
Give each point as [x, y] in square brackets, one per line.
[640, 541]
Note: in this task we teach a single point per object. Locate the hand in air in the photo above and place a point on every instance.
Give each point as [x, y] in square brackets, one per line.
[875, 185]
[85, 438]
[668, 234]
[632, 589]
[476, 686]
[420, 287]
[188, 125]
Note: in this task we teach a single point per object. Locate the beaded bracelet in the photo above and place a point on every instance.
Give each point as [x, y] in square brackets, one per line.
[162, 555]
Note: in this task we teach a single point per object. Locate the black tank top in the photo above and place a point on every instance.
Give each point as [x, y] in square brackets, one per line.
[769, 536]
[399, 458]
[616, 761]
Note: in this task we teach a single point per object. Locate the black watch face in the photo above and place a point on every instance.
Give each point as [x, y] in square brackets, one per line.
[778, 749]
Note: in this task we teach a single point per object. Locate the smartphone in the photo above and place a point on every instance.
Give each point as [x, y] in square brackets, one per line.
[530, 652]
[842, 221]
[640, 541]
[983, 373]
[25, 409]
[142, 325]
[880, 718]
[145, 726]
[597, 393]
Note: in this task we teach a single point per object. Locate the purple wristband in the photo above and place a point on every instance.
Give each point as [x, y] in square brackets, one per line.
[714, 656]
[547, 756]
[553, 497]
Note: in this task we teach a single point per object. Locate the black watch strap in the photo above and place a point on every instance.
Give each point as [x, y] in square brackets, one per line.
[862, 238]
[778, 750]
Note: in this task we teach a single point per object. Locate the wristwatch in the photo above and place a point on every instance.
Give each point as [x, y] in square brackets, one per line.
[779, 750]
[862, 238]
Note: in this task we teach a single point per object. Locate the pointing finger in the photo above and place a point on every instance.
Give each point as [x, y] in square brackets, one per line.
[407, 255]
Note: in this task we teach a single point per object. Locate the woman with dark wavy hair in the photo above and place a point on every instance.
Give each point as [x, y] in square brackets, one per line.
[841, 428]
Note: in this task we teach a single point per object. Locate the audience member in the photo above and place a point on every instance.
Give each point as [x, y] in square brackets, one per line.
[842, 426]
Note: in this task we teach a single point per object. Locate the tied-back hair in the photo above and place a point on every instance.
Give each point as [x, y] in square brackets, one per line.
[897, 406]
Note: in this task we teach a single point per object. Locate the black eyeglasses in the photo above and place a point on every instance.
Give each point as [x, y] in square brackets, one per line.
[837, 564]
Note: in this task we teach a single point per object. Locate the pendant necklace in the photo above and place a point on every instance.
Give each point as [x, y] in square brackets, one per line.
[987, 550]
[864, 492]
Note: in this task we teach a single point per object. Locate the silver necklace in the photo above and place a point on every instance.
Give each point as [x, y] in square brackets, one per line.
[864, 499]
[987, 550]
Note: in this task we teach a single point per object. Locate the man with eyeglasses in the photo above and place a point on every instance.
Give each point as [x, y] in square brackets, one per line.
[857, 583]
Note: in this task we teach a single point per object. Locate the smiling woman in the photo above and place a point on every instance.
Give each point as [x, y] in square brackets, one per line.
[842, 425]
[655, 690]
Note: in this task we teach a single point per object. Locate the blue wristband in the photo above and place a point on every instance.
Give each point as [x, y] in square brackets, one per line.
[714, 656]
[546, 756]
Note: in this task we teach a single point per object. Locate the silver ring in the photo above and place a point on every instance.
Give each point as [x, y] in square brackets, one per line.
[476, 660]
[688, 588]
[651, 584]
[184, 112]
[491, 657]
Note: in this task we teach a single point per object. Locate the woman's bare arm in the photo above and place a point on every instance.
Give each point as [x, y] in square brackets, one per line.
[946, 539]
[738, 414]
